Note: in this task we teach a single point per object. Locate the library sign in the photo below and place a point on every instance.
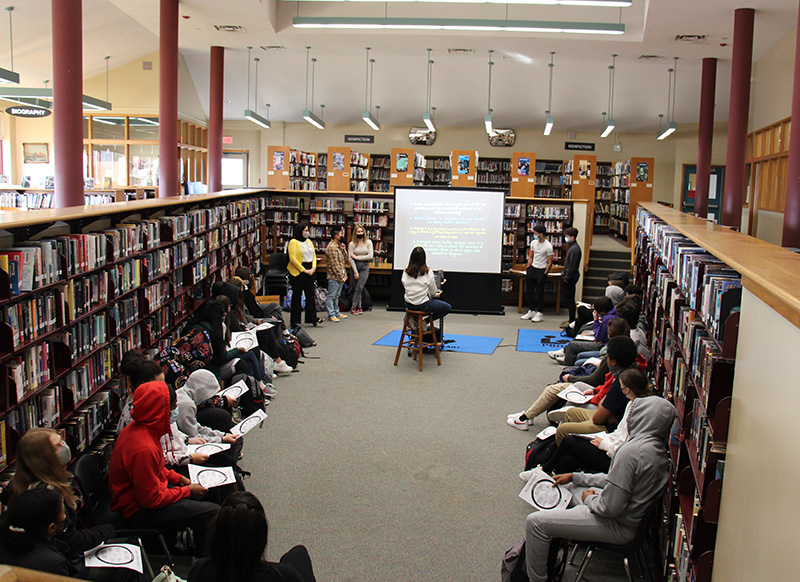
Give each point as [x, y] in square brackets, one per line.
[580, 146]
[27, 111]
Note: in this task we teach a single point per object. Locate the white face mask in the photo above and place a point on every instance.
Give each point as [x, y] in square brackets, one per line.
[64, 453]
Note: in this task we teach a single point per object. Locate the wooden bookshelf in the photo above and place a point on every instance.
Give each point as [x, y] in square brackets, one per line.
[493, 173]
[278, 167]
[109, 283]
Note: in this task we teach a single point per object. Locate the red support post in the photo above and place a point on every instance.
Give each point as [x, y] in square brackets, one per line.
[168, 100]
[705, 136]
[791, 212]
[215, 102]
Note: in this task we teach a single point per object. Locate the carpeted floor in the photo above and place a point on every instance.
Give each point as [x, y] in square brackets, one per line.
[389, 474]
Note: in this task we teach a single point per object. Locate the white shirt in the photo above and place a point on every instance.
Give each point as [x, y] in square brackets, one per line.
[308, 250]
[418, 290]
[541, 250]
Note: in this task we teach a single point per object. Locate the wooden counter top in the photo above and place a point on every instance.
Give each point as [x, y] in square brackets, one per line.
[770, 272]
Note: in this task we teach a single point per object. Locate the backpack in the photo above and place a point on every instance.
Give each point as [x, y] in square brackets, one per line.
[290, 351]
[513, 568]
[302, 336]
[253, 398]
[539, 451]
[366, 299]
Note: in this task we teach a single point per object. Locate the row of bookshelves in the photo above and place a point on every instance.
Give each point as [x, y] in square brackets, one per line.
[692, 299]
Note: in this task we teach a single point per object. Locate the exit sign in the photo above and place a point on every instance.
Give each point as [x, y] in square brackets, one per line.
[227, 139]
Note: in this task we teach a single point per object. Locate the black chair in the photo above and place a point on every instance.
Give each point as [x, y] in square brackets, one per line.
[632, 548]
[277, 275]
[96, 510]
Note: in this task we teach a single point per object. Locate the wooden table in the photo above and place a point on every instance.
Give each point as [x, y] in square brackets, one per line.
[554, 275]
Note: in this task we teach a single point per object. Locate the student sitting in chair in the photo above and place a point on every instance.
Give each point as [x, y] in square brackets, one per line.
[608, 507]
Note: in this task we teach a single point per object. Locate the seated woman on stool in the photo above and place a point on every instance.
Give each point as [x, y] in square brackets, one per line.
[420, 287]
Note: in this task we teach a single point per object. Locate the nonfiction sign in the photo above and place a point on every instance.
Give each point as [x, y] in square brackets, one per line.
[580, 146]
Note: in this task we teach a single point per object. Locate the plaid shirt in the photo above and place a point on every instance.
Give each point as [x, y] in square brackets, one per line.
[336, 258]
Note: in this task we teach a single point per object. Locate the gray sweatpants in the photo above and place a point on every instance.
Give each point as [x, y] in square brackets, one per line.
[575, 523]
[361, 282]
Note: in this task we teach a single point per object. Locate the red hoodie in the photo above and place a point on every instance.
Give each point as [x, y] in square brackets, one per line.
[602, 390]
[137, 477]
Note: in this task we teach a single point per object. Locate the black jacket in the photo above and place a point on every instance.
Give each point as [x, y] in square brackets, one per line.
[572, 264]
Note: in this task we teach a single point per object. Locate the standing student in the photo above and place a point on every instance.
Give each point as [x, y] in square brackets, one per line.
[540, 261]
[572, 270]
[302, 267]
[336, 260]
[360, 249]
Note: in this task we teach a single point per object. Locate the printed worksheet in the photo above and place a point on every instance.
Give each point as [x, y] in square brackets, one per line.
[114, 556]
[234, 391]
[208, 448]
[210, 477]
[249, 423]
[574, 393]
[541, 494]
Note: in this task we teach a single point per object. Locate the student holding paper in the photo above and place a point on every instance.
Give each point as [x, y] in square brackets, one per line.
[577, 453]
[615, 503]
[142, 489]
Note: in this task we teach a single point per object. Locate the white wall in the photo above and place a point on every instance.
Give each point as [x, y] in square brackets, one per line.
[759, 529]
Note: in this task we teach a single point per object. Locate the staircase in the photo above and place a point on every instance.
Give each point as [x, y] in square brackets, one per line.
[601, 264]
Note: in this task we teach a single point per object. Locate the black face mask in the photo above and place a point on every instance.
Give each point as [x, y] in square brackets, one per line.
[359, 236]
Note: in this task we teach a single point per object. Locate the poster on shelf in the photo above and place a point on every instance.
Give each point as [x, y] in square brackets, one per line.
[277, 160]
[402, 162]
[463, 164]
[585, 169]
[524, 166]
[642, 172]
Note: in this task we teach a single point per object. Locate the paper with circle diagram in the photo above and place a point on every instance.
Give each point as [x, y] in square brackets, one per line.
[542, 495]
[210, 477]
[249, 423]
[114, 556]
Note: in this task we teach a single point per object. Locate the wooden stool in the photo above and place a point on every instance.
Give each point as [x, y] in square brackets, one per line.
[413, 337]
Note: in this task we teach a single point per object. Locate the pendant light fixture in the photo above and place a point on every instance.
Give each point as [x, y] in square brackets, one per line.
[671, 126]
[612, 123]
[9, 76]
[427, 117]
[487, 121]
[366, 115]
[253, 115]
[308, 114]
[548, 124]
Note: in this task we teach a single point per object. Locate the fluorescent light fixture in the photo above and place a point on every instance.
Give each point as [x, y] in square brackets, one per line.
[609, 128]
[7, 76]
[313, 119]
[426, 118]
[668, 130]
[95, 104]
[548, 126]
[601, 3]
[487, 121]
[256, 118]
[370, 120]
[458, 24]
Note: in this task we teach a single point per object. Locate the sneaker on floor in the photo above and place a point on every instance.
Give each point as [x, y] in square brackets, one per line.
[555, 353]
[526, 475]
[342, 316]
[564, 324]
[334, 319]
[528, 315]
[282, 367]
[269, 390]
[537, 317]
[356, 312]
[560, 360]
[515, 422]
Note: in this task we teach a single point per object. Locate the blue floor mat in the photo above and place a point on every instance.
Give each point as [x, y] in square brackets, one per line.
[471, 344]
[540, 340]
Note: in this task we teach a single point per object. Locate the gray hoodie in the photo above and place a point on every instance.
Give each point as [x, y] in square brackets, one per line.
[639, 470]
[200, 386]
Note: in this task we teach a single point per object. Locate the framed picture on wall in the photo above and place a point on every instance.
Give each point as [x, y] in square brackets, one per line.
[35, 153]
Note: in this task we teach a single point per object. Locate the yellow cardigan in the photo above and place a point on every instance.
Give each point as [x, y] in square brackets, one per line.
[295, 252]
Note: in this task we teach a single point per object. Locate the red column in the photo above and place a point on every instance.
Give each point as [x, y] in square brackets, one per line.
[705, 136]
[215, 119]
[168, 100]
[68, 102]
[738, 116]
[791, 212]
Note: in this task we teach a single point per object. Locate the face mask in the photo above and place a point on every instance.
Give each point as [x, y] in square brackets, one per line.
[360, 235]
[173, 416]
[567, 240]
[64, 454]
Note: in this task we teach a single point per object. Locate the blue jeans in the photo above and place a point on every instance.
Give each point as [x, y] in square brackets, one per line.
[332, 301]
[583, 356]
[437, 307]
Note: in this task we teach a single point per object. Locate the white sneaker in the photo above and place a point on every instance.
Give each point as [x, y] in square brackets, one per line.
[537, 317]
[528, 315]
[555, 353]
[269, 390]
[282, 368]
[515, 422]
[560, 360]
[518, 414]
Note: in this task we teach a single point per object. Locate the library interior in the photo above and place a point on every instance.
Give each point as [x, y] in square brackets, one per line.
[210, 212]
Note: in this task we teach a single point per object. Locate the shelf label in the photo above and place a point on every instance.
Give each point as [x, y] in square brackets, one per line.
[576, 181]
[270, 173]
[649, 185]
[515, 179]
[285, 172]
[409, 176]
[591, 182]
[531, 180]
[393, 175]
[330, 173]
[470, 177]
